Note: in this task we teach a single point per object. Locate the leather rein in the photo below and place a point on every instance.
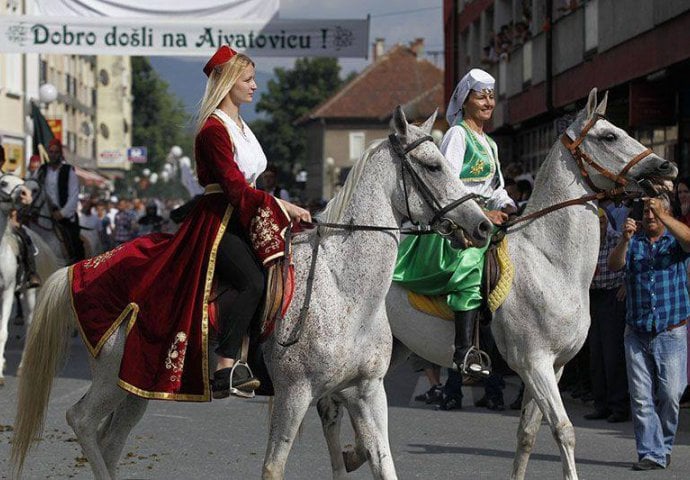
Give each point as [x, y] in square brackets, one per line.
[439, 223]
[583, 160]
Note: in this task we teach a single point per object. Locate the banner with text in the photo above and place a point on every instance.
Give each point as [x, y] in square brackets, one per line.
[110, 36]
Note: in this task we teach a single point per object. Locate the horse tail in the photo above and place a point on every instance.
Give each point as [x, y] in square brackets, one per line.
[46, 347]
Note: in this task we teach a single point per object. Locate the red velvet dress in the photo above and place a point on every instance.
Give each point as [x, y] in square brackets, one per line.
[160, 284]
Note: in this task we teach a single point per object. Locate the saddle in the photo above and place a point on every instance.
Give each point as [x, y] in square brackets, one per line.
[496, 284]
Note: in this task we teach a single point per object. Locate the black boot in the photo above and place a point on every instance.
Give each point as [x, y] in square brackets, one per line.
[464, 330]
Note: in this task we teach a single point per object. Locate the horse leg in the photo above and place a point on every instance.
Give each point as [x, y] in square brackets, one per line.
[530, 421]
[331, 413]
[542, 382]
[368, 410]
[114, 431]
[7, 301]
[289, 407]
[28, 301]
[86, 415]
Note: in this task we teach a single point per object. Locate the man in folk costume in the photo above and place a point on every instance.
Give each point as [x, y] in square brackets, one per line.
[166, 287]
[428, 264]
[61, 190]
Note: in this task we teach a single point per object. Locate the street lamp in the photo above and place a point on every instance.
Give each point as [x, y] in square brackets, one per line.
[47, 93]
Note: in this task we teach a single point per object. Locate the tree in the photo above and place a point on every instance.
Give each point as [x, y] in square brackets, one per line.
[291, 95]
[159, 120]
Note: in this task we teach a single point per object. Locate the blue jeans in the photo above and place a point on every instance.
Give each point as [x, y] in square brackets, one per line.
[656, 367]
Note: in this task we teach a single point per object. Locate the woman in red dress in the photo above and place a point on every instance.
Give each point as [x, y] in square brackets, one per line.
[229, 156]
[164, 287]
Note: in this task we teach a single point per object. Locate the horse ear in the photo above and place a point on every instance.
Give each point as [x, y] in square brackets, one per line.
[400, 122]
[601, 108]
[429, 124]
[592, 102]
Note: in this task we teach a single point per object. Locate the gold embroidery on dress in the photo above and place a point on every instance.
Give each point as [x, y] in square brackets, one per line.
[264, 230]
[175, 359]
[103, 257]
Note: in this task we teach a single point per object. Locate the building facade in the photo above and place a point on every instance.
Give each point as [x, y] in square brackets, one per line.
[340, 129]
[546, 56]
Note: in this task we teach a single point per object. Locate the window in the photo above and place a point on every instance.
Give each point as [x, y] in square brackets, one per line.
[356, 145]
[43, 75]
[13, 73]
[591, 26]
[663, 140]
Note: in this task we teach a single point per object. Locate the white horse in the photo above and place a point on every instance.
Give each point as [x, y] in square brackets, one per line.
[345, 345]
[544, 321]
[14, 195]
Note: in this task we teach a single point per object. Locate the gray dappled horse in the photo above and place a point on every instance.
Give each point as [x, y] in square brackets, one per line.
[345, 345]
[13, 194]
[544, 321]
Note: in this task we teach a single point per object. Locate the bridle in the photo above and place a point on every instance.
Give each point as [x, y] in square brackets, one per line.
[620, 191]
[439, 223]
[583, 158]
[6, 197]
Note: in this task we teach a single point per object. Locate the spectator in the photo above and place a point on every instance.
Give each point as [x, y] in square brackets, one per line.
[657, 308]
[524, 188]
[105, 226]
[682, 201]
[151, 222]
[607, 356]
[125, 223]
[270, 183]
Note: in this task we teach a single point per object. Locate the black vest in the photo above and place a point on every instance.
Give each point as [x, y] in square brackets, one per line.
[63, 181]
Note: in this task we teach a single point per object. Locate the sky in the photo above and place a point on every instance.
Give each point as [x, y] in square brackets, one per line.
[396, 21]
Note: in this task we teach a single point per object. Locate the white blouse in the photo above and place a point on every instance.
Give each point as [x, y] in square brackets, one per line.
[249, 155]
[453, 148]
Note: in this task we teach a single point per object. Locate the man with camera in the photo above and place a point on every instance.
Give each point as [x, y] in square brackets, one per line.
[653, 252]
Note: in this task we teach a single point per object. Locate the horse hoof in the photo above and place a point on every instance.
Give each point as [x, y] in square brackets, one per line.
[352, 460]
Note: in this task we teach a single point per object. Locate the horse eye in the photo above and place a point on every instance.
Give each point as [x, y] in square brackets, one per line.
[610, 137]
[433, 168]
[3, 184]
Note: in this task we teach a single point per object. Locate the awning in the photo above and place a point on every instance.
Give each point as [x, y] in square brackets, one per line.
[90, 178]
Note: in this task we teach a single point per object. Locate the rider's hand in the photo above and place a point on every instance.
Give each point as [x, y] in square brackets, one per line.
[57, 215]
[629, 229]
[296, 213]
[497, 217]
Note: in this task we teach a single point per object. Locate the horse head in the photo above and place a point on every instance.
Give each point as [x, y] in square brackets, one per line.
[622, 158]
[427, 190]
[13, 193]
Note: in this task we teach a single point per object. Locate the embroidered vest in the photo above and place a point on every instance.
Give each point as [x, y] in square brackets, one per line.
[478, 164]
[63, 181]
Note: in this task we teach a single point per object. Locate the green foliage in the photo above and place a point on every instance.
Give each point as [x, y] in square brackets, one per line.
[291, 95]
[159, 120]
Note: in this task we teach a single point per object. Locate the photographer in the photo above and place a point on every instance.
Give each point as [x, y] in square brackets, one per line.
[653, 253]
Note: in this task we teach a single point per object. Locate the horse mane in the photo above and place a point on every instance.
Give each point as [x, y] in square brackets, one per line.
[333, 213]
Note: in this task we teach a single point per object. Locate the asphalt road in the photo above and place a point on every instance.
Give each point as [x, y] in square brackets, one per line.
[226, 439]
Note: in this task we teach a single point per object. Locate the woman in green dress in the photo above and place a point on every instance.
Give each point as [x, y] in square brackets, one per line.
[428, 264]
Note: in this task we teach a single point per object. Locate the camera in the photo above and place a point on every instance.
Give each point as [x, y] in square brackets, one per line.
[636, 210]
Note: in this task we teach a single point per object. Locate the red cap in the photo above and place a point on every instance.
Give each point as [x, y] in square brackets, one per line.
[223, 55]
[55, 141]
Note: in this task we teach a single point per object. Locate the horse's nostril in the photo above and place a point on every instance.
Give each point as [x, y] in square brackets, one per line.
[485, 227]
[665, 166]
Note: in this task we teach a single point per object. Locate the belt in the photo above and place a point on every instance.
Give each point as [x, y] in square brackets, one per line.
[212, 188]
[677, 325]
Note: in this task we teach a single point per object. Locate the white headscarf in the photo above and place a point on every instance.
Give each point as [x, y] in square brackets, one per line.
[475, 79]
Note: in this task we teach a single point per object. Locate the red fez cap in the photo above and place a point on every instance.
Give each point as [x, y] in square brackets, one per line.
[55, 141]
[223, 55]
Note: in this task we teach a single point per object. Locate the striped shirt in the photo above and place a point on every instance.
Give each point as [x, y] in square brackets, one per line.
[655, 280]
[605, 278]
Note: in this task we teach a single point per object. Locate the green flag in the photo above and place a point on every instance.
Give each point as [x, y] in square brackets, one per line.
[42, 133]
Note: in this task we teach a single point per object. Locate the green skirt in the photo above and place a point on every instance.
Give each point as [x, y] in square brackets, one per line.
[427, 264]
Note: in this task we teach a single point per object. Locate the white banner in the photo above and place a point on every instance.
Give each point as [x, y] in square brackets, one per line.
[245, 9]
[116, 36]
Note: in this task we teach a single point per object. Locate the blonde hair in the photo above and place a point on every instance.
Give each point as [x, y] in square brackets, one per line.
[220, 82]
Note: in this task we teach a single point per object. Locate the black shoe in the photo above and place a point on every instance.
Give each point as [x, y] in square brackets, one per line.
[668, 460]
[243, 383]
[618, 417]
[495, 404]
[433, 395]
[646, 464]
[482, 402]
[450, 402]
[598, 415]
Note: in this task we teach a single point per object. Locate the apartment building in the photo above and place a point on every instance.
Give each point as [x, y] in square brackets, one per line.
[546, 55]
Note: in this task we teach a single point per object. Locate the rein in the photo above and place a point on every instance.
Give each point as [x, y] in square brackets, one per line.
[582, 158]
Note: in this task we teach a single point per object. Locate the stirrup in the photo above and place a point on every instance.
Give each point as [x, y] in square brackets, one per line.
[479, 363]
[236, 391]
